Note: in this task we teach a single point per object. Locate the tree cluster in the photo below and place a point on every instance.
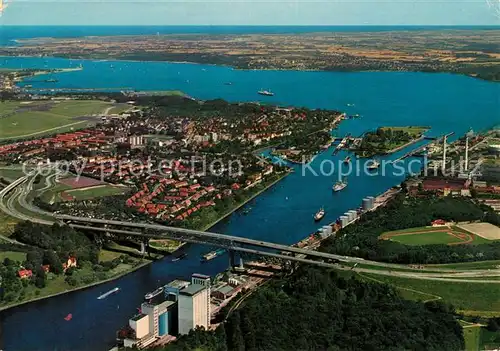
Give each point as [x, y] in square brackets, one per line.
[315, 309]
[362, 238]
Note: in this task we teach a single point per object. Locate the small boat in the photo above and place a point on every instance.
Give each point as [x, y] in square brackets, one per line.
[373, 164]
[153, 294]
[68, 317]
[228, 83]
[112, 291]
[347, 159]
[180, 257]
[319, 215]
[350, 105]
[51, 80]
[338, 186]
[265, 92]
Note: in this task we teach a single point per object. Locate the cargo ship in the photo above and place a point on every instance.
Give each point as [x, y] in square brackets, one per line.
[213, 254]
[340, 185]
[153, 294]
[373, 164]
[319, 215]
[112, 291]
[265, 92]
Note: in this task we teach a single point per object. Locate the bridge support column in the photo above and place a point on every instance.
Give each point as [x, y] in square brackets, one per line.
[143, 248]
[231, 259]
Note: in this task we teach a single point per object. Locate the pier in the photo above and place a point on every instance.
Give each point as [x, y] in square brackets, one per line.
[423, 147]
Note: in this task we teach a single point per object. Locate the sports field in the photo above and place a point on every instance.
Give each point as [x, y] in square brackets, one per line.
[23, 119]
[434, 235]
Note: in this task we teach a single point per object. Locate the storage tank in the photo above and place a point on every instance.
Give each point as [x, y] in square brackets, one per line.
[353, 214]
[366, 204]
[163, 324]
[344, 220]
[327, 230]
[372, 201]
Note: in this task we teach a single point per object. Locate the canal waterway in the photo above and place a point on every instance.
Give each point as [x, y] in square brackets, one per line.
[284, 213]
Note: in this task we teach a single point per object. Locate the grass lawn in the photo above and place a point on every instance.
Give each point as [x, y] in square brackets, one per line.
[11, 173]
[489, 340]
[52, 195]
[414, 131]
[13, 255]
[97, 191]
[470, 298]
[472, 337]
[106, 255]
[7, 224]
[49, 120]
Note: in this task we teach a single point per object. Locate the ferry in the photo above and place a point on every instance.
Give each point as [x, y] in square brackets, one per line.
[265, 92]
[319, 215]
[153, 294]
[374, 164]
[180, 257]
[338, 186]
[112, 291]
[347, 159]
[213, 254]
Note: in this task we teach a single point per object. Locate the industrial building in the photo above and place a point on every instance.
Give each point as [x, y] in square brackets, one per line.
[194, 304]
[182, 306]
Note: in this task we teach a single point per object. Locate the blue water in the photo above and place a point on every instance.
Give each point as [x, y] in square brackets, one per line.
[8, 34]
[283, 214]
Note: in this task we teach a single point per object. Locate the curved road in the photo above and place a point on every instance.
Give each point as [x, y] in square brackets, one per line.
[16, 195]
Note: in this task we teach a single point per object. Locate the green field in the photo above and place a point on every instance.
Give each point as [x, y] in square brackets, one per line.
[414, 131]
[57, 117]
[467, 265]
[469, 298]
[94, 192]
[13, 255]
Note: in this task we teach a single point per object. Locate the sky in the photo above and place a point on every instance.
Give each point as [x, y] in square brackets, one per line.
[248, 12]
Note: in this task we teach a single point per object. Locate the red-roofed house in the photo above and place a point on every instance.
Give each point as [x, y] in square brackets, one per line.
[25, 273]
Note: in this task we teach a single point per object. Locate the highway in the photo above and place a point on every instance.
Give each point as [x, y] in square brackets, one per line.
[16, 194]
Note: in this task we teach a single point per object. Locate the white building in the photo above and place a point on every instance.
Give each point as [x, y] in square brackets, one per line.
[194, 307]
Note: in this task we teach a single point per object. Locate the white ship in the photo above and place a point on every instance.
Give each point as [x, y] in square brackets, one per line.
[338, 186]
[373, 164]
[112, 291]
[152, 294]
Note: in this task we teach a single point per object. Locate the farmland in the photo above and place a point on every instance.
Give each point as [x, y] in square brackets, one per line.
[27, 119]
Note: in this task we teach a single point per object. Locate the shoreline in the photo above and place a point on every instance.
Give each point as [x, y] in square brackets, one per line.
[411, 142]
[17, 304]
[235, 67]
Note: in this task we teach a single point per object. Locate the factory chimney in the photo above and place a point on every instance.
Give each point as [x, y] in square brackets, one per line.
[444, 154]
[466, 152]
